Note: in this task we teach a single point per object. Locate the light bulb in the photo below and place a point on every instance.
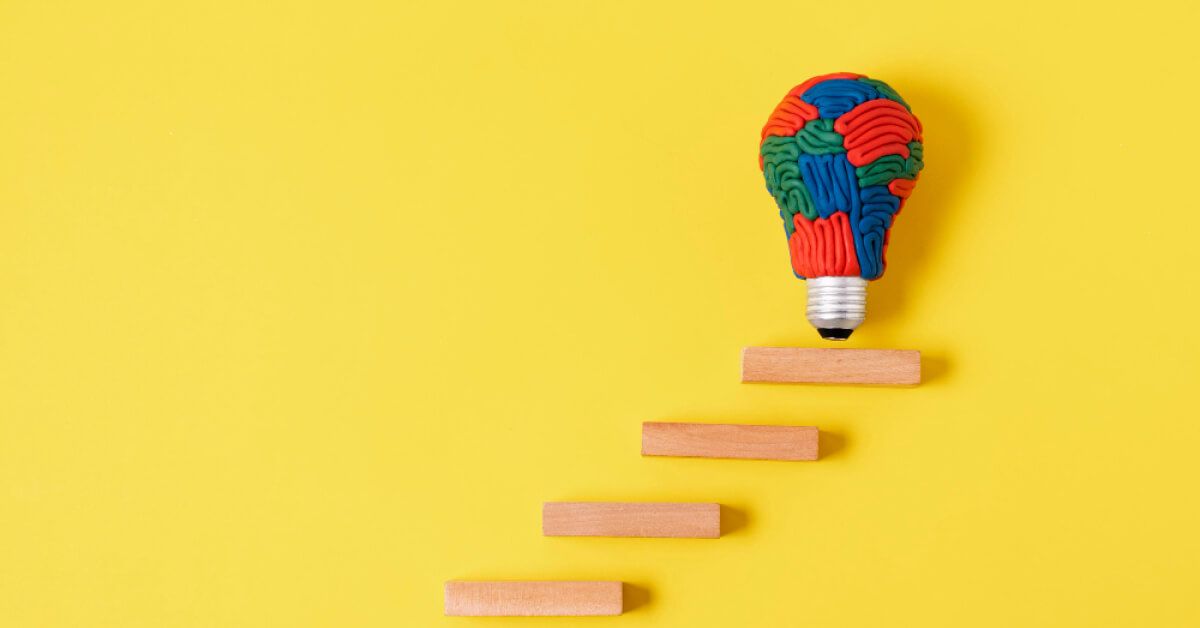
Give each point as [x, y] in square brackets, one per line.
[840, 154]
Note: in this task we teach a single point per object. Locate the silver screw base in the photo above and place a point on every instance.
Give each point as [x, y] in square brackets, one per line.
[837, 305]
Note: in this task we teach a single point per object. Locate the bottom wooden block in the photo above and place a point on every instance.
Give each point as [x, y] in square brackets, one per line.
[550, 598]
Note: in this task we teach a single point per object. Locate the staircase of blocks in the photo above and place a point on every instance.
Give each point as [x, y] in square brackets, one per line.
[777, 365]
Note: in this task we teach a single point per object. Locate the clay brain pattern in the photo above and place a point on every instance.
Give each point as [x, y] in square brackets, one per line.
[840, 155]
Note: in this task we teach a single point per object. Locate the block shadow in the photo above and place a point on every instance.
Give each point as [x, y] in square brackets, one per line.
[830, 444]
[933, 367]
[635, 596]
[732, 520]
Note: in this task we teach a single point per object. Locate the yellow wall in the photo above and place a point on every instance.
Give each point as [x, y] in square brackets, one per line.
[306, 307]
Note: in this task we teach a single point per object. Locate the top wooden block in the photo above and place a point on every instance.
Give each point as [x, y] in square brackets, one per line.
[795, 365]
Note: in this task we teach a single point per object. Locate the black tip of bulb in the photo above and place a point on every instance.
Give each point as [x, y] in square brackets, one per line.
[834, 334]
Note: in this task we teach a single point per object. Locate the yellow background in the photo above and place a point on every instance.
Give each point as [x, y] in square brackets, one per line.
[306, 307]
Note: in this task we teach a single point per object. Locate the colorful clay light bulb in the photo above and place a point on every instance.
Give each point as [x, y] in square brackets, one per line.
[840, 154]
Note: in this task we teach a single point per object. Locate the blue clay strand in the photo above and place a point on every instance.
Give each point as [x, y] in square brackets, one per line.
[832, 182]
[835, 97]
[870, 223]
[884, 90]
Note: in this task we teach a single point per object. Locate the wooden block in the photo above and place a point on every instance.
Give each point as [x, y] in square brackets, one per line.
[644, 519]
[831, 366]
[553, 598]
[714, 440]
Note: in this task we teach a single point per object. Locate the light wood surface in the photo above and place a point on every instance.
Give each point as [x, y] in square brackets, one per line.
[556, 598]
[640, 519]
[717, 440]
[831, 366]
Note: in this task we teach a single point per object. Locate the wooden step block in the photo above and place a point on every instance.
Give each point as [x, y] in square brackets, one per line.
[641, 519]
[831, 366]
[714, 440]
[552, 598]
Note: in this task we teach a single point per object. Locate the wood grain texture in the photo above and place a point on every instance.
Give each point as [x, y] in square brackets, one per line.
[831, 366]
[716, 440]
[641, 519]
[550, 598]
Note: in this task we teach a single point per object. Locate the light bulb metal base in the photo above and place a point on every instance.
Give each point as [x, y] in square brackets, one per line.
[836, 305]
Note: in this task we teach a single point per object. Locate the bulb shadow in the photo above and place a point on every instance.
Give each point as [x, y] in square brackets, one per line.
[951, 155]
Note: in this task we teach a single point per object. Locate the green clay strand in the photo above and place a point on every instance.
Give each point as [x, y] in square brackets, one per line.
[818, 138]
[915, 161]
[881, 171]
[777, 149]
[781, 169]
[885, 90]
[799, 201]
[778, 176]
[916, 150]
[777, 152]
[789, 191]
